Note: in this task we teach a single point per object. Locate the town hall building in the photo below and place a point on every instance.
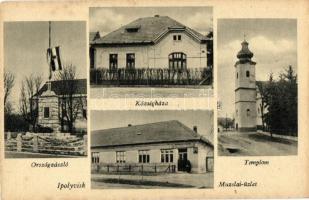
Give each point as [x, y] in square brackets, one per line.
[151, 42]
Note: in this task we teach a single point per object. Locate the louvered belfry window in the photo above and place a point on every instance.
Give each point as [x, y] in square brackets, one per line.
[177, 61]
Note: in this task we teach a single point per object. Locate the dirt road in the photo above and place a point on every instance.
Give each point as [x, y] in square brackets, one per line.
[254, 144]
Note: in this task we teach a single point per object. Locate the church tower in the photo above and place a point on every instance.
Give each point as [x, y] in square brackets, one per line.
[245, 90]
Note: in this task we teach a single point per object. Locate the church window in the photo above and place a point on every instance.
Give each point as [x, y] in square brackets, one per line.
[130, 61]
[46, 112]
[177, 61]
[236, 112]
[113, 61]
[248, 112]
[179, 37]
[247, 73]
[237, 75]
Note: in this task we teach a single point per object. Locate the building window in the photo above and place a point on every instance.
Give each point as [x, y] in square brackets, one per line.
[247, 73]
[130, 61]
[236, 112]
[143, 156]
[113, 61]
[92, 55]
[176, 37]
[248, 112]
[237, 75]
[95, 157]
[177, 61]
[46, 112]
[120, 156]
[167, 156]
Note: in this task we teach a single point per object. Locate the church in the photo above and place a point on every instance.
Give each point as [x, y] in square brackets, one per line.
[248, 101]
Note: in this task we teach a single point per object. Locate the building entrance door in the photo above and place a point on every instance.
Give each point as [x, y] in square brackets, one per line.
[182, 159]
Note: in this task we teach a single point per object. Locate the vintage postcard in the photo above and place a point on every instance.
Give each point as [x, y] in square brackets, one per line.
[154, 99]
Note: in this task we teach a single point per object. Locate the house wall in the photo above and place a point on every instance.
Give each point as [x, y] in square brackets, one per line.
[156, 56]
[197, 160]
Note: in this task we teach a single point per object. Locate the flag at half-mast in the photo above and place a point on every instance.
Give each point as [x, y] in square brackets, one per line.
[54, 59]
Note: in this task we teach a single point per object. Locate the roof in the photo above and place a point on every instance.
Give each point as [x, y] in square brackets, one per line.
[149, 31]
[166, 131]
[81, 85]
[93, 36]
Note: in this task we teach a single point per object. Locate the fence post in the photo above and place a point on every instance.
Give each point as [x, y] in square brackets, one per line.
[35, 143]
[19, 142]
[85, 144]
[8, 135]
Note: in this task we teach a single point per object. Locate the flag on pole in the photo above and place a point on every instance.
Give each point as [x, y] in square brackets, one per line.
[54, 60]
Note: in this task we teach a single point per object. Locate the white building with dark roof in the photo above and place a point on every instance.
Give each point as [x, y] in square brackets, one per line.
[160, 146]
[152, 42]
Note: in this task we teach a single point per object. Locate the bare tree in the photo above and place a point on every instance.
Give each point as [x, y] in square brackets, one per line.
[28, 102]
[9, 81]
[70, 102]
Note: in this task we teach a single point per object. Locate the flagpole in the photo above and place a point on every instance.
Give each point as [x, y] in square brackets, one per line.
[49, 44]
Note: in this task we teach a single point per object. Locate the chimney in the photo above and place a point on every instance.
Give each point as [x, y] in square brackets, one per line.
[195, 129]
[129, 125]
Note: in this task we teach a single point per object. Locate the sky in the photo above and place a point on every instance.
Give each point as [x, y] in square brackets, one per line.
[107, 20]
[26, 43]
[273, 43]
[203, 119]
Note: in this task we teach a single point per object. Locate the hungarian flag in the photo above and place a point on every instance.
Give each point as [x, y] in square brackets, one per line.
[54, 60]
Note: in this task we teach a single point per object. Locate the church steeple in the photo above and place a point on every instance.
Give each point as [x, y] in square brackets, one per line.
[244, 55]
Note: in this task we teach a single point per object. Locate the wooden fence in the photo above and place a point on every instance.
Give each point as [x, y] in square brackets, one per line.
[151, 76]
[47, 144]
[134, 168]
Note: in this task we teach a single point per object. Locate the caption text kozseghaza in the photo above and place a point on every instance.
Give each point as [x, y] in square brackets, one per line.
[153, 103]
[50, 164]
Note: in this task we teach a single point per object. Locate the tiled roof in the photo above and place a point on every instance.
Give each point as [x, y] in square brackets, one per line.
[159, 132]
[149, 30]
[81, 85]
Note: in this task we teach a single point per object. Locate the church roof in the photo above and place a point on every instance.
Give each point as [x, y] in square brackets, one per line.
[244, 55]
[81, 85]
[159, 132]
[147, 30]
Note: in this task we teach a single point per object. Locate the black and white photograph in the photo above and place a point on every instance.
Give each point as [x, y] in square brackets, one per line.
[151, 52]
[152, 149]
[257, 87]
[45, 89]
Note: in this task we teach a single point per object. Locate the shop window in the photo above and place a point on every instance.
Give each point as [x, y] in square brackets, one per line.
[95, 157]
[120, 156]
[167, 156]
[143, 156]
